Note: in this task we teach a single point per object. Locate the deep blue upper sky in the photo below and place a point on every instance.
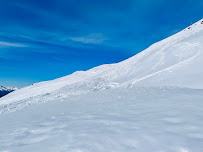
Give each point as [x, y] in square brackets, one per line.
[46, 39]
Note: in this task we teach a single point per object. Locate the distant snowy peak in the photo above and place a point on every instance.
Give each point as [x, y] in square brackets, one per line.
[5, 90]
[175, 61]
[2, 88]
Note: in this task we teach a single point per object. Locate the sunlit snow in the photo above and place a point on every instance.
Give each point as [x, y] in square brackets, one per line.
[152, 102]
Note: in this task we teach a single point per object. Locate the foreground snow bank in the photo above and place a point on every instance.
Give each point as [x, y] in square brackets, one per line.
[116, 120]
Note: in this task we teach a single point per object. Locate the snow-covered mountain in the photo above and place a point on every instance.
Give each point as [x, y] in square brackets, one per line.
[5, 90]
[174, 61]
[151, 102]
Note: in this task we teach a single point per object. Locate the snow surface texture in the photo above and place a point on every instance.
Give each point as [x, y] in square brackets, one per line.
[149, 102]
[115, 120]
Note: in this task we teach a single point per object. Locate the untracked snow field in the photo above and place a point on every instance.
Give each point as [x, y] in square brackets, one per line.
[115, 120]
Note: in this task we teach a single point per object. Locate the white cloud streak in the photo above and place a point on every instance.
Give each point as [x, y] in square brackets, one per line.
[9, 44]
[92, 38]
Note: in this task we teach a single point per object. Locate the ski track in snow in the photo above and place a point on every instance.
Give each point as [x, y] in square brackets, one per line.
[166, 69]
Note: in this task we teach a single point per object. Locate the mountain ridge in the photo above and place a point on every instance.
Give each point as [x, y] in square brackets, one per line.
[174, 61]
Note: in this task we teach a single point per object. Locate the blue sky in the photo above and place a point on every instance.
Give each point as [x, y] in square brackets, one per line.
[46, 39]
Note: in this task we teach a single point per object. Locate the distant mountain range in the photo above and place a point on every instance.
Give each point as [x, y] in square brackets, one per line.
[5, 90]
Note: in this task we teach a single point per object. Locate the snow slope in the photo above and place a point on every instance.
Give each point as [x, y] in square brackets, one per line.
[175, 61]
[151, 102]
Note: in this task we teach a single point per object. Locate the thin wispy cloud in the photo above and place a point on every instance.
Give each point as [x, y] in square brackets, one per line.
[92, 38]
[9, 44]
